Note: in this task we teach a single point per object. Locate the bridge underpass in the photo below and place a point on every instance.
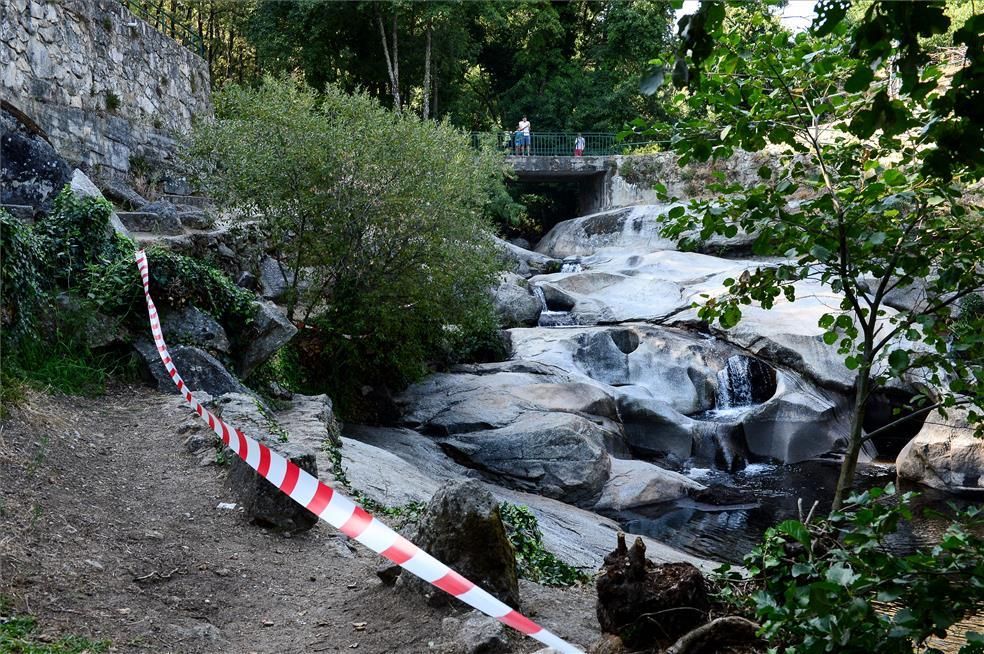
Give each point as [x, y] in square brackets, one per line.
[584, 180]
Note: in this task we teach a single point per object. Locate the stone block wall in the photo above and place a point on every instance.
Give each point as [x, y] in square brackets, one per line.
[110, 91]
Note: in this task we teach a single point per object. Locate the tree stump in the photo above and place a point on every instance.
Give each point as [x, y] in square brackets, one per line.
[647, 604]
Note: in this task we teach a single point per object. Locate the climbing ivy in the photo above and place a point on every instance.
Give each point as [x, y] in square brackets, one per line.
[21, 285]
[533, 560]
[75, 235]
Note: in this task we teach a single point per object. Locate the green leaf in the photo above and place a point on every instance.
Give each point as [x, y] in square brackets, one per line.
[830, 338]
[676, 213]
[898, 360]
[877, 238]
[820, 253]
[894, 177]
[860, 79]
[796, 530]
[765, 172]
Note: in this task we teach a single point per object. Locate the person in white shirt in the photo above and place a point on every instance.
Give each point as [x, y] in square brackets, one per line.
[579, 146]
[524, 127]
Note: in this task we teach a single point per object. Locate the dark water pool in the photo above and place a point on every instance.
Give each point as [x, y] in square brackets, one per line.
[744, 504]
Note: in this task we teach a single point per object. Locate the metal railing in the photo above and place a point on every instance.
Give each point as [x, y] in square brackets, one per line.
[153, 13]
[554, 144]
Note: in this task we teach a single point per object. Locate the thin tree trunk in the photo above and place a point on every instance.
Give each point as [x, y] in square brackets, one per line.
[392, 71]
[427, 72]
[211, 36]
[396, 67]
[174, 15]
[232, 33]
[849, 466]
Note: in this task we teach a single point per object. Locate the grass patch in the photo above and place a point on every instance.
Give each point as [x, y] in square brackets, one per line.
[62, 366]
[17, 637]
[533, 560]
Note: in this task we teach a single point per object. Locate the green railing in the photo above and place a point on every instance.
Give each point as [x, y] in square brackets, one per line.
[555, 144]
[154, 13]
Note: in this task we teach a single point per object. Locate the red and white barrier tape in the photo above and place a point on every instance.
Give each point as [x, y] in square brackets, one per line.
[339, 511]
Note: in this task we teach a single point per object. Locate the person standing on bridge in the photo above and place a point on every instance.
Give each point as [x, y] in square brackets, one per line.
[579, 146]
[524, 127]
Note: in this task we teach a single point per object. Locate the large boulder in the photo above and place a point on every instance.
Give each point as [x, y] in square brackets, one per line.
[199, 369]
[263, 502]
[275, 280]
[945, 454]
[192, 326]
[636, 229]
[638, 483]
[514, 304]
[798, 423]
[268, 332]
[462, 528]
[121, 194]
[554, 454]
[523, 262]
[31, 172]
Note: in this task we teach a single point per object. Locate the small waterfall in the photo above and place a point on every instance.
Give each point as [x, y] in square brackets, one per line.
[550, 318]
[571, 267]
[734, 384]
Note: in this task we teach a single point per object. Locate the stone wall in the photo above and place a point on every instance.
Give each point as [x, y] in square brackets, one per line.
[110, 91]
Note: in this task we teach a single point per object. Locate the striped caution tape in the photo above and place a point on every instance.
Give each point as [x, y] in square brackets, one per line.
[338, 510]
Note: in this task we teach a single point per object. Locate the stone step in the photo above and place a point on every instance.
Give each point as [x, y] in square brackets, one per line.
[190, 200]
[22, 212]
[144, 221]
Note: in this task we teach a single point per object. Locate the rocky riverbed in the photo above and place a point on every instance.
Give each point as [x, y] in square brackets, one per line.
[616, 400]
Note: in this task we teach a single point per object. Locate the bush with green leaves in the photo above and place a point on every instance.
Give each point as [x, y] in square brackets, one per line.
[176, 280]
[376, 217]
[872, 192]
[21, 282]
[832, 585]
[533, 560]
[75, 235]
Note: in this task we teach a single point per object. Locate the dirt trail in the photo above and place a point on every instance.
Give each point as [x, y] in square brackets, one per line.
[109, 530]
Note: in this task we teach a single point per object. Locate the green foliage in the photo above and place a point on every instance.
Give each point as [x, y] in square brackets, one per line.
[21, 284]
[569, 66]
[853, 202]
[175, 281]
[17, 637]
[75, 235]
[112, 101]
[61, 363]
[377, 216]
[831, 585]
[533, 560]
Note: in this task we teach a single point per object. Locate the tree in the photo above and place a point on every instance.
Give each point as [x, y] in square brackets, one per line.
[882, 203]
[376, 219]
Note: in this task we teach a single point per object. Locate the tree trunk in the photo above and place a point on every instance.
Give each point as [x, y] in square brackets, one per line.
[232, 34]
[846, 479]
[392, 70]
[427, 72]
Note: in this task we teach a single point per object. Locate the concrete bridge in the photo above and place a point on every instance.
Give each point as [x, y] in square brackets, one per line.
[592, 175]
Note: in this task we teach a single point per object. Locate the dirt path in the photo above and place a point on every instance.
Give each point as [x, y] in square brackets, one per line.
[109, 530]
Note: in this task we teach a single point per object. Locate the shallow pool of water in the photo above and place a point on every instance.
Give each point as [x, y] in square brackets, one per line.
[741, 506]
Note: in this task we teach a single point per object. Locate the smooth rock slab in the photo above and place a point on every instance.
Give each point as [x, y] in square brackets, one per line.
[638, 483]
[945, 454]
[558, 455]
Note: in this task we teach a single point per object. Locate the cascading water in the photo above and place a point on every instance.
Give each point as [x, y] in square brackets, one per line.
[550, 318]
[571, 267]
[735, 384]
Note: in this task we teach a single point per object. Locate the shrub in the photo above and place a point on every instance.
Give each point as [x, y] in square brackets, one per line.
[175, 280]
[379, 217]
[21, 285]
[75, 235]
[832, 586]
